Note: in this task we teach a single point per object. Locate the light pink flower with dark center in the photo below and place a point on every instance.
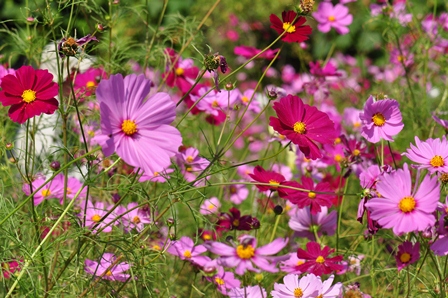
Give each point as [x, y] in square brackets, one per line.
[381, 120]
[103, 268]
[431, 154]
[246, 254]
[400, 206]
[136, 128]
[329, 16]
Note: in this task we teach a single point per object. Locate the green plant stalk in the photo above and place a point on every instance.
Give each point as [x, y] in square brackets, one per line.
[159, 22]
[338, 233]
[274, 230]
[40, 246]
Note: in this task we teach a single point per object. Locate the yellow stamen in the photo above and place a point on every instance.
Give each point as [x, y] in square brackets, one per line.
[405, 257]
[219, 281]
[187, 254]
[407, 204]
[136, 220]
[311, 195]
[331, 18]
[298, 293]
[299, 127]
[108, 273]
[129, 127]
[245, 252]
[179, 71]
[437, 161]
[378, 119]
[90, 84]
[215, 104]
[245, 99]
[337, 158]
[356, 152]
[29, 96]
[96, 218]
[288, 27]
[189, 159]
[46, 192]
[320, 260]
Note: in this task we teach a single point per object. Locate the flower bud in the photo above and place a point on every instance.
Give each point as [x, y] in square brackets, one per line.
[170, 222]
[55, 165]
[278, 210]
[9, 146]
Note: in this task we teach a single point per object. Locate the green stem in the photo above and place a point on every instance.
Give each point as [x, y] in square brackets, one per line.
[277, 220]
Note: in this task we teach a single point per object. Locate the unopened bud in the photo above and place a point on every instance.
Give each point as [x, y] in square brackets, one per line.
[229, 86]
[9, 146]
[170, 222]
[55, 165]
[100, 27]
[272, 94]
[278, 210]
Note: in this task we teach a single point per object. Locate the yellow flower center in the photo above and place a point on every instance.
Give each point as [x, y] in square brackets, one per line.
[236, 223]
[437, 161]
[407, 204]
[320, 260]
[400, 58]
[357, 124]
[69, 191]
[331, 18]
[179, 71]
[245, 251]
[245, 99]
[378, 119]
[298, 292]
[129, 127]
[90, 84]
[91, 133]
[405, 257]
[156, 174]
[215, 104]
[211, 207]
[207, 237]
[299, 127]
[274, 183]
[356, 152]
[300, 262]
[156, 247]
[108, 273]
[29, 96]
[219, 281]
[187, 254]
[96, 218]
[288, 27]
[136, 220]
[311, 195]
[337, 158]
[337, 141]
[189, 159]
[46, 192]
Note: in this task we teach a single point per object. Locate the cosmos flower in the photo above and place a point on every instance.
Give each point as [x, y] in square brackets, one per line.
[274, 179]
[303, 125]
[103, 268]
[53, 189]
[136, 129]
[249, 52]
[185, 249]
[330, 16]
[183, 71]
[246, 254]
[210, 206]
[381, 119]
[94, 213]
[314, 198]
[317, 260]
[295, 30]
[85, 83]
[293, 286]
[304, 223]
[407, 254]
[29, 92]
[248, 292]
[431, 154]
[133, 218]
[401, 207]
[224, 281]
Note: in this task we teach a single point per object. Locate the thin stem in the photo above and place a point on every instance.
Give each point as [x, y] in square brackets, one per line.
[277, 220]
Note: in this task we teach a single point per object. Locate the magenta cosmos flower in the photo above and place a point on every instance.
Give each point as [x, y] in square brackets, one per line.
[29, 92]
[295, 30]
[401, 207]
[105, 269]
[53, 189]
[185, 249]
[381, 120]
[274, 181]
[247, 253]
[303, 125]
[317, 260]
[407, 254]
[133, 217]
[330, 16]
[93, 215]
[431, 154]
[136, 129]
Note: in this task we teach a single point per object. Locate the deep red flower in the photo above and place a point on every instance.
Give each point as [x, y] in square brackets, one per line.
[317, 262]
[303, 125]
[234, 221]
[29, 92]
[275, 181]
[313, 199]
[295, 30]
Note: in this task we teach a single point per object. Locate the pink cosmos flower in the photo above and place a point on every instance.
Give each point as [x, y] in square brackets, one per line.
[402, 208]
[313, 198]
[94, 213]
[224, 281]
[136, 129]
[183, 73]
[5, 71]
[133, 218]
[249, 52]
[274, 179]
[303, 222]
[336, 16]
[248, 292]
[103, 268]
[238, 193]
[294, 287]
[160, 177]
[442, 122]
[10, 268]
[291, 265]
[210, 206]
[86, 82]
[431, 154]
[295, 30]
[185, 249]
[381, 119]
[317, 261]
[29, 92]
[407, 254]
[247, 253]
[54, 189]
[351, 119]
[303, 125]
[215, 102]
